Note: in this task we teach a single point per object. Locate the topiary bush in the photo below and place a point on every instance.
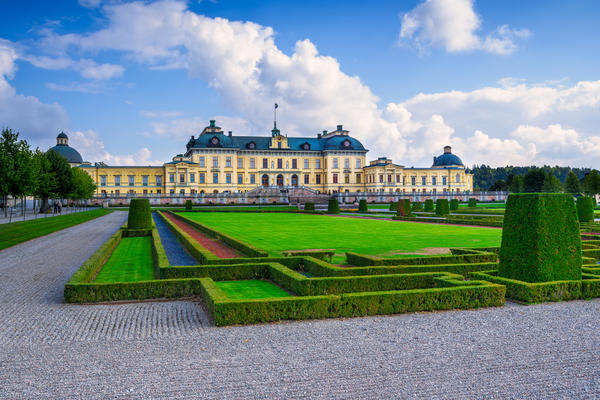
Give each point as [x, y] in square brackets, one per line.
[139, 214]
[309, 206]
[188, 205]
[540, 238]
[404, 208]
[585, 209]
[333, 207]
[453, 204]
[394, 206]
[442, 207]
[417, 206]
[472, 202]
[363, 207]
[429, 205]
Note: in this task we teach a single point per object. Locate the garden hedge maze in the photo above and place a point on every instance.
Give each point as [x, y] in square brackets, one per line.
[253, 287]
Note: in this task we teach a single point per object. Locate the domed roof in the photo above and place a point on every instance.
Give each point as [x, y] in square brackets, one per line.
[214, 139]
[342, 142]
[67, 152]
[62, 135]
[447, 159]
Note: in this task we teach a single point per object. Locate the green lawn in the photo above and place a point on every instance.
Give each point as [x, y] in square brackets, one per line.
[130, 262]
[279, 232]
[22, 231]
[252, 289]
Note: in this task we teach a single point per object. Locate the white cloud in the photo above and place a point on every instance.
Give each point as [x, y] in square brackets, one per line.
[88, 68]
[82, 87]
[183, 128]
[25, 114]
[160, 114]
[92, 149]
[453, 25]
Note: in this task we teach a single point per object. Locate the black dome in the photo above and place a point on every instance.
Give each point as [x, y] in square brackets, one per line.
[67, 152]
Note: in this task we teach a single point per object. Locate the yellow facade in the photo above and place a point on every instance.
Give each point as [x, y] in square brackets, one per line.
[222, 163]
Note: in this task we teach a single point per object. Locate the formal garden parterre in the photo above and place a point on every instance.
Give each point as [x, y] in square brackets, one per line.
[297, 266]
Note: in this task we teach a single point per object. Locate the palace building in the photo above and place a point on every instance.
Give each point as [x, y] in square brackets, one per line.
[220, 162]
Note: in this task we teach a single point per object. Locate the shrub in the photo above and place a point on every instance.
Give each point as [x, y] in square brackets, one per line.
[393, 206]
[309, 206]
[363, 207]
[417, 206]
[585, 209]
[188, 205]
[541, 239]
[139, 214]
[333, 207]
[441, 207]
[429, 205]
[404, 208]
[472, 202]
[453, 204]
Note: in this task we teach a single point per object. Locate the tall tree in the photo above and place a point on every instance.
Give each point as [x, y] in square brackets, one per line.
[83, 185]
[515, 183]
[534, 180]
[46, 186]
[591, 183]
[62, 173]
[18, 179]
[572, 184]
[552, 184]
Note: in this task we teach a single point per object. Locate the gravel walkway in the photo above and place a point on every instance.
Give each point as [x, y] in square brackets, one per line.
[176, 253]
[169, 350]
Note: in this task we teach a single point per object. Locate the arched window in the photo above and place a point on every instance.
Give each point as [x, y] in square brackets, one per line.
[457, 178]
[265, 180]
[279, 180]
[294, 180]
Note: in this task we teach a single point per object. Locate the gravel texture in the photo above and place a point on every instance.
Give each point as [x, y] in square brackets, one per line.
[176, 253]
[169, 349]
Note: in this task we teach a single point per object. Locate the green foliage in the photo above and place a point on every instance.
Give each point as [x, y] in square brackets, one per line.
[591, 183]
[139, 214]
[363, 207]
[515, 185]
[320, 254]
[188, 205]
[333, 207]
[22, 231]
[63, 176]
[551, 184]
[429, 206]
[485, 176]
[416, 206]
[472, 202]
[541, 239]
[475, 257]
[499, 186]
[404, 208]
[393, 206]
[308, 206]
[585, 209]
[251, 289]
[131, 261]
[572, 184]
[442, 207]
[83, 185]
[453, 204]
[16, 167]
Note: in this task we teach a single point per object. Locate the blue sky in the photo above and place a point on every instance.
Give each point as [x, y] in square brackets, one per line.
[506, 82]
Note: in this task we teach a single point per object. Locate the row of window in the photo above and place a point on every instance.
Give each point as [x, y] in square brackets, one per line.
[131, 180]
[265, 163]
[413, 179]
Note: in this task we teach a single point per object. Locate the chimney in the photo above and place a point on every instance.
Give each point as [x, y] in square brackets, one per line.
[340, 128]
[192, 137]
[212, 123]
[229, 133]
[318, 136]
[447, 149]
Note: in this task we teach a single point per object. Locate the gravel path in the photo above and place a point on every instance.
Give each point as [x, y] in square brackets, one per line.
[213, 245]
[176, 252]
[169, 350]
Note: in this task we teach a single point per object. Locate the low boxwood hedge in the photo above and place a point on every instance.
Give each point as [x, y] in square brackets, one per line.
[472, 202]
[442, 207]
[393, 206]
[309, 206]
[188, 205]
[404, 208]
[453, 204]
[416, 206]
[365, 260]
[333, 206]
[363, 207]
[429, 205]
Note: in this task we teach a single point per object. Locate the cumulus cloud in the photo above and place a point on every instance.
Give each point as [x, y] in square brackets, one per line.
[453, 25]
[88, 68]
[25, 114]
[183, 128]
[92, 148]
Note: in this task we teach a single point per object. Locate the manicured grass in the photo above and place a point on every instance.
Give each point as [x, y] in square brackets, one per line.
[251, 289]
[22, 231]
[236, 208]
[130, 262]
[485, 205]
[278, 232]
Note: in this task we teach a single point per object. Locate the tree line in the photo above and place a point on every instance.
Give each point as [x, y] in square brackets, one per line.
[536, 179]
[26, 172]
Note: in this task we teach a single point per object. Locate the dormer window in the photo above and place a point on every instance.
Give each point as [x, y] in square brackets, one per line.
[306, 146]
[346, 143]
[251, 145]
[214, 141]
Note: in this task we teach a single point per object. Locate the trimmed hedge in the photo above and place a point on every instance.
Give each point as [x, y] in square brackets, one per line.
[441, 207]
[333, 206]
[320, 254]
[541, 238]
[309, 206]
[585, 209]
[90, 268]
[417, 206]
[393, 206]
[472, 202]
[188, 205]
[453, 204]
[197, 251]
[476, 257]
[139, 214]
[363, 207]
[404, 208]
[539, 292]
[429, 205]
[244, 248]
